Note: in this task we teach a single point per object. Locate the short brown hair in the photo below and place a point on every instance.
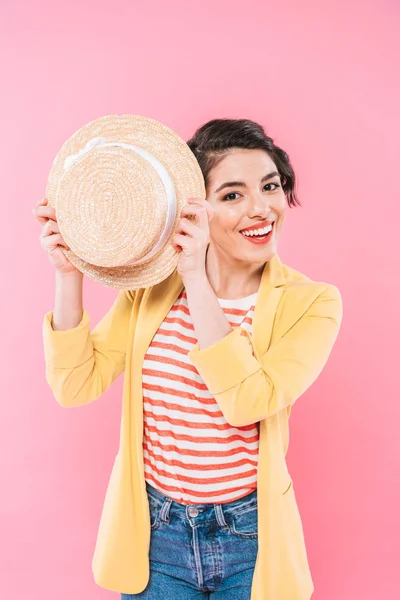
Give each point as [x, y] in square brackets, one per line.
[212, 141]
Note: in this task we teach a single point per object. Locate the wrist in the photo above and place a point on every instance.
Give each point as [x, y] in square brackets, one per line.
[195, 280]
[71, 276]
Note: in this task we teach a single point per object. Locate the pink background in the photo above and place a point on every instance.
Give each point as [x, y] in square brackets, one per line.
[323, 79]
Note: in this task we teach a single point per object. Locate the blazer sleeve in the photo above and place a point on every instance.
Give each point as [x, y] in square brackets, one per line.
[81, 365]
[248, 390]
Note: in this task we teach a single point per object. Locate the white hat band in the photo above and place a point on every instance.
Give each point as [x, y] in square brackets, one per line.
[164, 176]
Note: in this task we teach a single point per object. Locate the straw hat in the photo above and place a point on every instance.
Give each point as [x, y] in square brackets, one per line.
[118, 185]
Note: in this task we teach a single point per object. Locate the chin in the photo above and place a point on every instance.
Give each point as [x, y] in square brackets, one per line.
[261, 254]
[260, 257]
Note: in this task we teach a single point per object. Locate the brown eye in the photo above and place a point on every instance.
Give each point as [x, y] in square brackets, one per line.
[227, 196]
[275, 184]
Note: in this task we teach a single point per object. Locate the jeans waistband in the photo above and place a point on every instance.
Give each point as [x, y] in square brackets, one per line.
[232, 506]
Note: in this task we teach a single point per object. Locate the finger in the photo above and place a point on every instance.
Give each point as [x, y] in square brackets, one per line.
[190, 209]
[46, 211]
[190, 213]
[176, 246]
[200, 214]
[181, 225]
[53, 241]
[43, 213]
[204, 219]
[39, 203]
[49, 227]
[188, 227]
[42, 220]
[179, 240]
[200, 202]
[201, 205]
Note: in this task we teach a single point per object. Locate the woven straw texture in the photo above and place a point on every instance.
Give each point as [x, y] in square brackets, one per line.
[111, 204]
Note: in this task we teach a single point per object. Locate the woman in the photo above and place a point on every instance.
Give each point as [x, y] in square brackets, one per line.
[200, 502]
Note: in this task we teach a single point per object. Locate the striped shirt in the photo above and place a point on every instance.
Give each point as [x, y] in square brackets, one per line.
[191, 453]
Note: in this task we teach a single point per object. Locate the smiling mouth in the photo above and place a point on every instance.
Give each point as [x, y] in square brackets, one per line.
[261, 235]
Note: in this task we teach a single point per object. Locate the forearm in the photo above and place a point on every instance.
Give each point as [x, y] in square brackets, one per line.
[68, 301]
[248, 389]
[81, 364]
[209, 320]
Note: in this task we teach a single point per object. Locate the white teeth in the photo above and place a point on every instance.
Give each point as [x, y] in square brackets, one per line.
[252, 232]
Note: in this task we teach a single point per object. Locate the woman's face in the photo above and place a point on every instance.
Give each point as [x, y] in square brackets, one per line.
[256, 201]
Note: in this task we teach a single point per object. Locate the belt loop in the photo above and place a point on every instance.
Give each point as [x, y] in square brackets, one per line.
[165, 510]
[219, 513]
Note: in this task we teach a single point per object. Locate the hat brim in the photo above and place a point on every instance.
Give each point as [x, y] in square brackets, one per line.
[173, 152]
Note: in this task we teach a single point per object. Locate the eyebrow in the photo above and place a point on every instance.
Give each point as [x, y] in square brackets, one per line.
[242, 184]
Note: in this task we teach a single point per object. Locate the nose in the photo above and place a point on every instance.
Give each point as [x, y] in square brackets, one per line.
[259, 205]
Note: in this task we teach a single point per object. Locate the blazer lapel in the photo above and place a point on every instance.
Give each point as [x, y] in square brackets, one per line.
[269, 294]
[157, 301]
[155, 305]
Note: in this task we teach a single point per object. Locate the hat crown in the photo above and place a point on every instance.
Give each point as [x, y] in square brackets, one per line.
[130, 255]
[112, 184]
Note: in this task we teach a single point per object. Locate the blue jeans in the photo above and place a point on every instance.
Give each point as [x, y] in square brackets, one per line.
[200, 551]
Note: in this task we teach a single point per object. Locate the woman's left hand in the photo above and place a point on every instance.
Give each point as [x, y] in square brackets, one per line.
[191, 238]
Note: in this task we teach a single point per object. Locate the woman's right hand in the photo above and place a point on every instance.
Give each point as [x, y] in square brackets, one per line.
[51, 238]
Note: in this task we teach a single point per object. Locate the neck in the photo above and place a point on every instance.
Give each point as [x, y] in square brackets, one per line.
[231, 278]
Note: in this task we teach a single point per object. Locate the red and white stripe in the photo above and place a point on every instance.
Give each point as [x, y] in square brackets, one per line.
[191, 453]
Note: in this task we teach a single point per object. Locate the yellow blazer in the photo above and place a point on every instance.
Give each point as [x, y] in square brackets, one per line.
[254, 378]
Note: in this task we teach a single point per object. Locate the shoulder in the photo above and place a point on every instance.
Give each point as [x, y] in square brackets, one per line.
[299, 284]
[301, 293]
